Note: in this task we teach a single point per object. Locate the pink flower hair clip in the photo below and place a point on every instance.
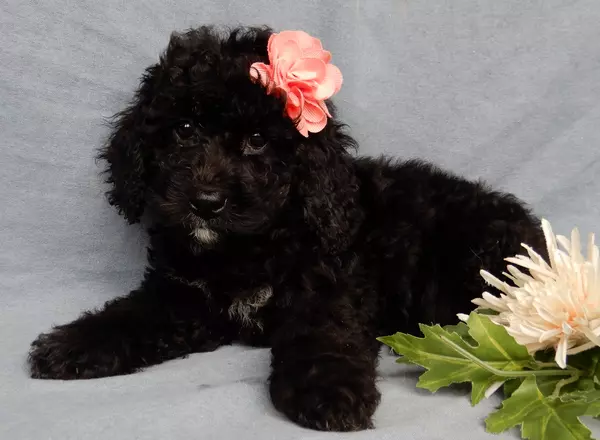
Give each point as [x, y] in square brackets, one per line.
[299, 70]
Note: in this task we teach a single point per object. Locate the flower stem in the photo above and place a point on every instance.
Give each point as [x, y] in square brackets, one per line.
[561, 383]
[545, 364]
[553, 365]
[504, 373]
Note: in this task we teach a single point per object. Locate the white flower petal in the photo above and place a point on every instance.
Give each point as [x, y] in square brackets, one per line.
[535, 257]
[493, 388]
[531, 331]
[567, 329]
[549, 334]
[592, 250]
[482, 303]
[535, 346]
[518, 275]
[595, 325]
[554, 304]
[493, 281]
[576, 245]
[561, 352]
[547, 315]
[564, 243]
[581, 348]
[523, 262]
[496, 303]
[591, 336]
[550, 240]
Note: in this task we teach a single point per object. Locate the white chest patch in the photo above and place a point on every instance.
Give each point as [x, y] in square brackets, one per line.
[244, 309]
[204, 235]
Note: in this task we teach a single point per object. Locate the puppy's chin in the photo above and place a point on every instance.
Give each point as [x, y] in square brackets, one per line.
[205, 236]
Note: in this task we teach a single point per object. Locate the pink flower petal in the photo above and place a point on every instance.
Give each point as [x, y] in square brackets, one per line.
[315, 127]
[302, 127]
[308, 69]
[288, 50]
[330, 85]
[324, 108]
[315, 45]
[312, 112]
[294, 112]
[294, 104]
[289, 53]
[307, 87]
[271, 49]
[315, 118]
[299, 69]
[288, 35]
[261, 72]
[280, 72]
[304, 40]
[337, 76]
[319, 54]
[296, 97]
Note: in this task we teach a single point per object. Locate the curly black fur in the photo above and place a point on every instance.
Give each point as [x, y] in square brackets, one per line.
[265, 237]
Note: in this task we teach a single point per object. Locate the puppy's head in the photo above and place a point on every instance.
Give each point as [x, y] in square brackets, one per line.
[203, 147]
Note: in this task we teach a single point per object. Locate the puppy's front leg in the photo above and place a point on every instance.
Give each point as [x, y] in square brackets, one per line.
[160, 321]
[324, 366]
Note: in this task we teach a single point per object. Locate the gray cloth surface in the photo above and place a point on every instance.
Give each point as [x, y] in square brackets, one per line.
[507, 91]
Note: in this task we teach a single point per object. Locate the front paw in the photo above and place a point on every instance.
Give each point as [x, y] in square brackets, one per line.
[69, 353]
[341, 397]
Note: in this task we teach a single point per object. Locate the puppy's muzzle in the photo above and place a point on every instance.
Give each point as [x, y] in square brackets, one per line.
[208, 205]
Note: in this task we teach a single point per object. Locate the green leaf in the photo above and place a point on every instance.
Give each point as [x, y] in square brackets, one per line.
[568, 388]
[462, 330]
[586, 396]
[593, 409]
[585, 384]
[511, 386]
[588, 362]
[495, 344]
[514, 409]
[436, 351]
[541, 417]
[547, 385]
[557, 423]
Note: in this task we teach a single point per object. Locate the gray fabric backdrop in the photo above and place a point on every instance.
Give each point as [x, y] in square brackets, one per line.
[506, 90]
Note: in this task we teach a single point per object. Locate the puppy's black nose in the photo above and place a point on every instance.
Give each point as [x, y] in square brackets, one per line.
[207, 205]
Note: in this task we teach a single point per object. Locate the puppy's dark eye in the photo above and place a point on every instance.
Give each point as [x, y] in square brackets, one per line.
[255, 144]
[257, 141]
[185, 130]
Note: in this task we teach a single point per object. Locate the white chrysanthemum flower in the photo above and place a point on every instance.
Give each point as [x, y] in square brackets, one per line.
[556, 305]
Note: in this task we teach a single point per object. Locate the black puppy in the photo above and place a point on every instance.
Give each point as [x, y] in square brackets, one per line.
[265, 236]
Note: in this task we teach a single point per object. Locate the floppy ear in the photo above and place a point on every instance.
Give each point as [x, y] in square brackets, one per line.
[328, 189]
[125, 155]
